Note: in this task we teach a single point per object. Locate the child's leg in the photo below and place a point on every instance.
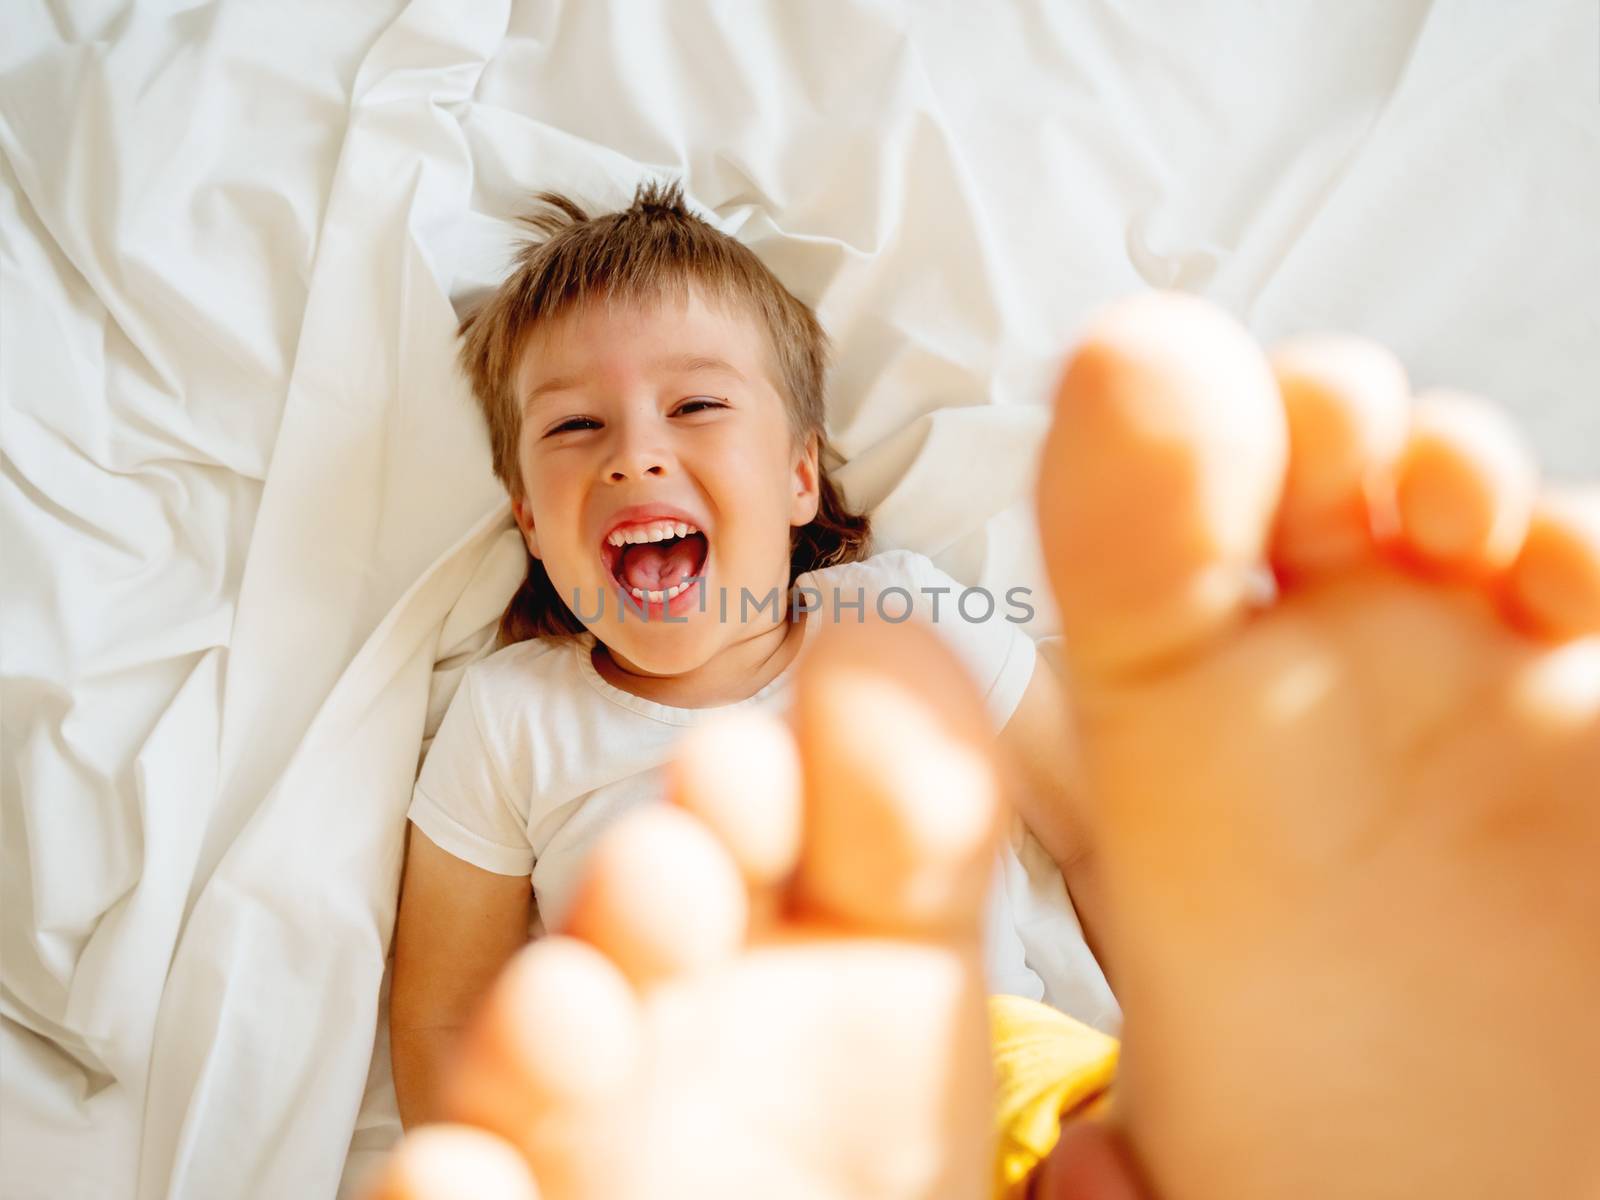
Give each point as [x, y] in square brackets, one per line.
[1349, 838]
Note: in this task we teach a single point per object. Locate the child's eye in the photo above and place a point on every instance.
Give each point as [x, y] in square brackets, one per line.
[572, 424]
[699, 404]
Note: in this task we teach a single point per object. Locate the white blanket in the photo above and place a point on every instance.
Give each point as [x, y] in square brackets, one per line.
[233, 242]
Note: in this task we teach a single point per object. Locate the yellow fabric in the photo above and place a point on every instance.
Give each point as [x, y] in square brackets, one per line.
[1046, 1065]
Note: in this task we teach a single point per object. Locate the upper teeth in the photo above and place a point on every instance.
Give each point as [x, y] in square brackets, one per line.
[656, 531]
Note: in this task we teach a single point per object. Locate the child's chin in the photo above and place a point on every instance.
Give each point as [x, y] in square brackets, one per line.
[659, 648]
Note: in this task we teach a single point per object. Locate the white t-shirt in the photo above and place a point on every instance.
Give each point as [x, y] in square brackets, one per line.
[538, 753]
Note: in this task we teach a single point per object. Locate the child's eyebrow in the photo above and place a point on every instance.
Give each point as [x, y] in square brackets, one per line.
[688, 363]
[560, 383]
[682, 364]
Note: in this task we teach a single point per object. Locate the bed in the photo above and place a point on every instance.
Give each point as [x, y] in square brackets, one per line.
[250, 534]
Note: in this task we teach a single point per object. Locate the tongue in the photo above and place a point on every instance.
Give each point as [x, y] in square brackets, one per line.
[656, 566]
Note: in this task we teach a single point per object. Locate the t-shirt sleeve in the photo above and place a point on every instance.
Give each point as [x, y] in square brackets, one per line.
[461, 800]
[972, 621]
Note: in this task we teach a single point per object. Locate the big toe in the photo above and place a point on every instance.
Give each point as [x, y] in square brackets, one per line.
[1160, 481]
[902, 803]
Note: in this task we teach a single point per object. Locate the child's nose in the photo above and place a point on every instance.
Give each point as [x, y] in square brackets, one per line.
[635, 455]
[621, 474]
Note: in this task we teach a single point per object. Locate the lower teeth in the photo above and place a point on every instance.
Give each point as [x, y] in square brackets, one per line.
[658, 597]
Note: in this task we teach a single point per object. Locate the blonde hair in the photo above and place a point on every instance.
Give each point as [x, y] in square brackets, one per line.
[653, 250]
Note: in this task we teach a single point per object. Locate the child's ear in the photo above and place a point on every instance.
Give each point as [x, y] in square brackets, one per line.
[519, 510]
[807, 484]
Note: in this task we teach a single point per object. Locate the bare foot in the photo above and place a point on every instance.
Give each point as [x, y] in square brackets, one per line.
[1350, 835]
[771, 989]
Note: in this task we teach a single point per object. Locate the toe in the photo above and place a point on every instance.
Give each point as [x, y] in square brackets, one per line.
[454, 1162]
[660, 895]
[1346, 401]
[1554, 585]
[1160, 481]
[559, 1031]
[741, 776]
[902, 805]
[1465, 486]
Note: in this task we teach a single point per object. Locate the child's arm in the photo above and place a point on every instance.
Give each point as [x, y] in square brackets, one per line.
[457, 926]
[1047, 787]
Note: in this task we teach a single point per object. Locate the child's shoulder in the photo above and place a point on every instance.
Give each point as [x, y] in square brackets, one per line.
[522, 669]
[884, 569]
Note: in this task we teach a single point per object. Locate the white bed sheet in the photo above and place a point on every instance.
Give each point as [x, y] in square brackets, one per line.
[233, 240]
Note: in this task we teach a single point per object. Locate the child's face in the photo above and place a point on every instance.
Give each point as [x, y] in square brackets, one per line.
[639, 416]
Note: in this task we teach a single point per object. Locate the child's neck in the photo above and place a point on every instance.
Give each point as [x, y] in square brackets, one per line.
[734, 673]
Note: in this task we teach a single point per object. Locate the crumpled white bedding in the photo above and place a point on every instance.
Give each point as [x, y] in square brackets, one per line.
[250, 535]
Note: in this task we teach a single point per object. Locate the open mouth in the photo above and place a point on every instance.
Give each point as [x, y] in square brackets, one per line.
[654, 560]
